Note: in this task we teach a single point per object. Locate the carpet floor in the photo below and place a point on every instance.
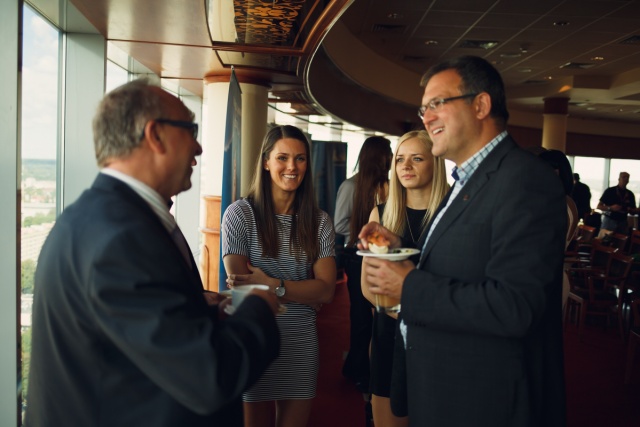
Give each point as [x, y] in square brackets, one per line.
[596, 393]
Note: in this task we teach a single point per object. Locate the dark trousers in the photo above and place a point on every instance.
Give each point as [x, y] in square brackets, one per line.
[356, 365]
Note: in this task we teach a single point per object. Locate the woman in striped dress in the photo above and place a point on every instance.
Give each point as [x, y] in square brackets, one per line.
[279, 237]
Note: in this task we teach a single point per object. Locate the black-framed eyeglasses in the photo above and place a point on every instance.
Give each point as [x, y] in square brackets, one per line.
[193, 127]
[437, 103]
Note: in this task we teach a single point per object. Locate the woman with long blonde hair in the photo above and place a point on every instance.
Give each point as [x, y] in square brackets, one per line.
[417, 186]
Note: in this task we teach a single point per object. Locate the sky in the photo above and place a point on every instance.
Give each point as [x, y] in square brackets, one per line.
[39, 87]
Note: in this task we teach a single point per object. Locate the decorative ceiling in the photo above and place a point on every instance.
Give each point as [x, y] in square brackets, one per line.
[361, 60]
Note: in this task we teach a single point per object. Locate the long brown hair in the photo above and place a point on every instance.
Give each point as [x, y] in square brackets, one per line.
[373, 165]
[305, 208]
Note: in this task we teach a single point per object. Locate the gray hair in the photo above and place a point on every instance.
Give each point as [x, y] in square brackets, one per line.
[121, 117]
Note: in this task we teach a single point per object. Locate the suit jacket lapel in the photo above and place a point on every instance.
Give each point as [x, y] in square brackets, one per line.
[468, 193]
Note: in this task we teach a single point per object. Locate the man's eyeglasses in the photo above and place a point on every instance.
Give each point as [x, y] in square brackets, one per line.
[436, 104]
[193, 127]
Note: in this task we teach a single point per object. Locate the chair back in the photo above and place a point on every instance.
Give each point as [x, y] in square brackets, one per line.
[634, 243]
[601, 257]
[585, 233]
[620, 265]
[619, 241]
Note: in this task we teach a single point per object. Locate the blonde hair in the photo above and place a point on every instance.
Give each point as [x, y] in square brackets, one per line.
[394, 217]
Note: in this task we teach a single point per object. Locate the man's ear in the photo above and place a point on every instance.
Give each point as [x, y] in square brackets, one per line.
[153, 136]
[482, 105]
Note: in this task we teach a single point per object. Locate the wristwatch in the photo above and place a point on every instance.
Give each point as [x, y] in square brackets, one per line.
[280, 290]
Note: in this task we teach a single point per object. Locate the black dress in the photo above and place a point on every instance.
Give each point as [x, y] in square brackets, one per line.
[384, 327]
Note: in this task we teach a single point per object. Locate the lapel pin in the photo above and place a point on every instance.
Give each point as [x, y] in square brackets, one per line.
[465, 197]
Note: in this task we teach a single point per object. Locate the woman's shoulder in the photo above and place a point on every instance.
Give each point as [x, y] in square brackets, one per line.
[240, 207]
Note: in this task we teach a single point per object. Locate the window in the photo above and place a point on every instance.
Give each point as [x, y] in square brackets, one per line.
[39, 158]
[591, 170]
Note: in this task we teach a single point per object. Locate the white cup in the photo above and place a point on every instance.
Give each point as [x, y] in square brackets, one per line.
[239, 292]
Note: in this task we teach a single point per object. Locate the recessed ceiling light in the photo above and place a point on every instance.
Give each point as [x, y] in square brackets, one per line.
[591, 108]
[525, 70]
[478, 44]
[597, 58]
[394, 15]
[620, 110]
[431, 42]
[548, 78]
[511, 55]
[561, 23]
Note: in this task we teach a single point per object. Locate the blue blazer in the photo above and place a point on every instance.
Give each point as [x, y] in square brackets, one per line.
[483, 308]
[122, 335]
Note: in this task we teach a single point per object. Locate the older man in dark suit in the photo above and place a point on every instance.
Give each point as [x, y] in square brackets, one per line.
[122, 332]
[481, 336]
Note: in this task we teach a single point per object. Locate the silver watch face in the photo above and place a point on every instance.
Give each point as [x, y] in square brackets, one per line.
[280, 291]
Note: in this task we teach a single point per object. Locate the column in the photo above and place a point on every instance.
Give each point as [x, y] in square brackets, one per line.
[253, 129]
[84, 82]
[554, 128]
[10, 30]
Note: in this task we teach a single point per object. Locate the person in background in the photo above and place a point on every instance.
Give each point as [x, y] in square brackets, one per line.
[356, 197]
[581, 195]
[481, 314]
[279, 237]
[418, 185]
[560, 164]
[616, 202]
[122, 333]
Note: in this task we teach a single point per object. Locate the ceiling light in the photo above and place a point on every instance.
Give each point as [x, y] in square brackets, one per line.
[597, 58]
[591, 108]
[479, 44]
[577, 65]
[561, 23]
[510, 55]
[431, 42]
[548, 78]
[394, 15]
[525, 70]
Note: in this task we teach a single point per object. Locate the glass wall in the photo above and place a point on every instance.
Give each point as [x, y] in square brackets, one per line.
[592, 172]
[39, 177]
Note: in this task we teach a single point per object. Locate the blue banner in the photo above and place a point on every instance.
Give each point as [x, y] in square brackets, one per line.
[232, 157]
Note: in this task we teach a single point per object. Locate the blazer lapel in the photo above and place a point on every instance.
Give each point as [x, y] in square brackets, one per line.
[468, 193]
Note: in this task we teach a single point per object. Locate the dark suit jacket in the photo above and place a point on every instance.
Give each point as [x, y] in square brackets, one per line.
[122, 335]
[483, 310]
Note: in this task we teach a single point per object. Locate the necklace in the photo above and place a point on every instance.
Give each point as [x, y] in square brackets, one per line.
[406, 215]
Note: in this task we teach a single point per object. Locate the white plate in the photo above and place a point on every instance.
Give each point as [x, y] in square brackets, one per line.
[393, 254]
[229, 309]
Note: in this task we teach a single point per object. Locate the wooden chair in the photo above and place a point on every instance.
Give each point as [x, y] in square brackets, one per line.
[581, 244]
[634, 243]
[619, 241]
[634, 341]
[578, 269]
[603, 294]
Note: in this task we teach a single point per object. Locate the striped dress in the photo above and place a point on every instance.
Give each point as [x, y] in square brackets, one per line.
[293, 374]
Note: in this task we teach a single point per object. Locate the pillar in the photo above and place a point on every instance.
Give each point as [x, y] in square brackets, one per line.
[253, 129]
[554, 128]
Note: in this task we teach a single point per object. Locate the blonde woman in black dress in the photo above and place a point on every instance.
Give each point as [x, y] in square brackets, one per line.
[418, 185]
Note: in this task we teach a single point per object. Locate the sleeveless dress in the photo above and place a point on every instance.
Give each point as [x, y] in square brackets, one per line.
[384, 327]
[293, 375]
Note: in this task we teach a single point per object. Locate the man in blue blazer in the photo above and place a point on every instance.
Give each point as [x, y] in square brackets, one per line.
[122, 332]
[480, 342]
